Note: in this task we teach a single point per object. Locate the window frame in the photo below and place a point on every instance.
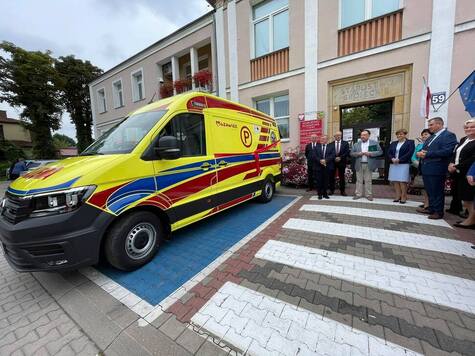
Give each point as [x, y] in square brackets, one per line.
[271, 99]
[368, 4]
[135, 98]
[116, 102]
[100, 109]
[269, 17]
[202, 116]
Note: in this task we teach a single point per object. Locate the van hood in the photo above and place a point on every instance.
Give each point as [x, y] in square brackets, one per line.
[68, 173]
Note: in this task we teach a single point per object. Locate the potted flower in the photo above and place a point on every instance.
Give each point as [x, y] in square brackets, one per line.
[203, 79]
[182, 85]
[166, 90]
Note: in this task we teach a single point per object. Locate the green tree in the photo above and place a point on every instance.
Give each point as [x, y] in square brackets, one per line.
[27, 81]
[74, 77]
[63, 141]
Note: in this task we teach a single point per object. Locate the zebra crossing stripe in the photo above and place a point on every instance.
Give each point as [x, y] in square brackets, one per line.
[378, 201]
[449, 291]
[260, 325]
[372, 213]
[407, 239]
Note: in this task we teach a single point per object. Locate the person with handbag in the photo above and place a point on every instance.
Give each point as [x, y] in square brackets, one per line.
[462, 159]
[418, 182]
[399, 153]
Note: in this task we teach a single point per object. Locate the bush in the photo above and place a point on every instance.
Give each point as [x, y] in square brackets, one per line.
[10, 152]
[294, 168]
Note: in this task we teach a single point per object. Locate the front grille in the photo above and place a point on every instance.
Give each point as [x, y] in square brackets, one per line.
[16, 209]
[44, 250]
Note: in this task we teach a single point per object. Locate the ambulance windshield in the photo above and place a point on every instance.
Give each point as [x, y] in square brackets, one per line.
[126, 135]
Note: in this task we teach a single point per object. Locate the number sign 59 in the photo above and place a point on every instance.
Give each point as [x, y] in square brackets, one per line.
[438, 98]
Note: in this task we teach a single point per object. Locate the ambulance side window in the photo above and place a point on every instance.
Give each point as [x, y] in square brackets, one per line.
[189, 129]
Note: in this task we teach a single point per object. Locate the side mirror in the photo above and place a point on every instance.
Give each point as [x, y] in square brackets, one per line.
[168, 148]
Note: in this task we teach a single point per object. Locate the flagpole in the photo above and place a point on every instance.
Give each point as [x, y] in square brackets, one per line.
[435, 110]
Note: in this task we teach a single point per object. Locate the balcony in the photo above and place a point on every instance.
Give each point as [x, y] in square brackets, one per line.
[201, 81]
[270, 64]
[369, 34]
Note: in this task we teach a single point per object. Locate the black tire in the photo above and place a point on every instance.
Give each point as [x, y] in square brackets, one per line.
[133, 240]
[268, 190]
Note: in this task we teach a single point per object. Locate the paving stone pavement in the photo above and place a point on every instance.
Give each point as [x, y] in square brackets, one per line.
[32, 323]
[409, 322]
[262, 304]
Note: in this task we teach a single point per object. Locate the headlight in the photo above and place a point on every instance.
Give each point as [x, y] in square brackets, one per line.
[60, 201]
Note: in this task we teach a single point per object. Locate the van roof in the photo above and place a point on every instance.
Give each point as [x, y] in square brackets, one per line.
[197, 101]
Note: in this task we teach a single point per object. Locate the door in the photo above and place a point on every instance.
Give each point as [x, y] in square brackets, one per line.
[186, 184]
[376, 117]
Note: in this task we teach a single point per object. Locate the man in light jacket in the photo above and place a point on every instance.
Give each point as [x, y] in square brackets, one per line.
[365, 152]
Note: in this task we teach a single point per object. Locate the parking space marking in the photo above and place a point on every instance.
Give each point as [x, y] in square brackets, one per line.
[150, 311]
[372, 213]
[445, 290]
[418, 241]
[380, 201]
[260, 325]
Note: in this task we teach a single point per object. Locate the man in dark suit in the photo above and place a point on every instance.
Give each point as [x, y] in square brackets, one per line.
[312, 160]
[325, 166]
[435, 157]
[342, 151]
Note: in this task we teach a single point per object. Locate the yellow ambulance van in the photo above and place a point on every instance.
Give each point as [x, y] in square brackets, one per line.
[166, 165]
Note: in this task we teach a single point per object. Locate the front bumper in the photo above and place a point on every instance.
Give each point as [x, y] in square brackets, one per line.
[53, 243]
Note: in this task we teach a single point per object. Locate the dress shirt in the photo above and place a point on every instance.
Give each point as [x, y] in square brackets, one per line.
[398, 147]
[364, 148]
[337, 147]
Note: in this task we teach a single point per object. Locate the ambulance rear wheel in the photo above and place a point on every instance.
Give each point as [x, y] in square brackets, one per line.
[133, 240]
[268, 190]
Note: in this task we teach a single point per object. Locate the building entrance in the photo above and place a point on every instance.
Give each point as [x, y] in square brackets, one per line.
[376, 117]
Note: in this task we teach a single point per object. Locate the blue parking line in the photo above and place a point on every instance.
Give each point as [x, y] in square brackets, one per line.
[193, 248]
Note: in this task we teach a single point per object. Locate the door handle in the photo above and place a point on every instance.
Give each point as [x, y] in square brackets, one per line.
[223, 163]
[205, 166]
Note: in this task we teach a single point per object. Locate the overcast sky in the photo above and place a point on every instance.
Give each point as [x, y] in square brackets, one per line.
[105, 32]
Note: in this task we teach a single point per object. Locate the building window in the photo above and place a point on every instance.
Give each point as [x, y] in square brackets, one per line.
[167, 72]
[101, 100]
[2, 134]
[356, 11]
[137, 86]
[203, 62]
[271, 26]
[278, 107]
[117, 93]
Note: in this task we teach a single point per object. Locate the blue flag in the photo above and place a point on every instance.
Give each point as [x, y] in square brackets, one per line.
[467, 92]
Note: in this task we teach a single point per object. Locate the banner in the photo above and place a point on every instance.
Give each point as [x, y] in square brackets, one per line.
[310, 124]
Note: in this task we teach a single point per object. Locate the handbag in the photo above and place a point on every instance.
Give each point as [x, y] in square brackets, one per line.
[418, 182]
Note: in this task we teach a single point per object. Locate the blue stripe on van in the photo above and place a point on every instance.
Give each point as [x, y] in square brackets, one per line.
[65, 185]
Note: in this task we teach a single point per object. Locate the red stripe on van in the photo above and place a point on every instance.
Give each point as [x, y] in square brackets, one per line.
[100, 199]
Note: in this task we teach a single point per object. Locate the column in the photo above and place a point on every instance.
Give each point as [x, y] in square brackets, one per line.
[441, 46]
[159, 79]
[194, 64]
[220, 51]
[311, 45]
[175, 70]
[233, 51]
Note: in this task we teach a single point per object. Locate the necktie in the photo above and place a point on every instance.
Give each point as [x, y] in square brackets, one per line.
[324, 150]
[337, 147]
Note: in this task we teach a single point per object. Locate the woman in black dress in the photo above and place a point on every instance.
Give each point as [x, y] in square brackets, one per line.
[462, 159]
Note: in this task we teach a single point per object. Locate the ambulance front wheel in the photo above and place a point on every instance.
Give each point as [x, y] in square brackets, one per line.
[268, 190]
[133, 240]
